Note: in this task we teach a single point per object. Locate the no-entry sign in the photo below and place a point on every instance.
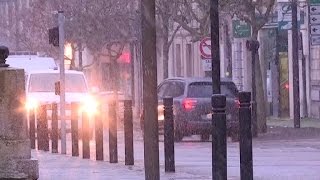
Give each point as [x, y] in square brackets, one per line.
[205, 47]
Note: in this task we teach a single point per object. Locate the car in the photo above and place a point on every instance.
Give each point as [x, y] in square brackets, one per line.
[192, 106]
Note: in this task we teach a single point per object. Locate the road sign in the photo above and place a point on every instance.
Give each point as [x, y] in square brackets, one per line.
[206, 64]
[315, 19]
[314, 9]
[205, 47]
[314, 22]
[314, 2]
[315, 29]
[315, 40]
[241, 29]
[285, 16]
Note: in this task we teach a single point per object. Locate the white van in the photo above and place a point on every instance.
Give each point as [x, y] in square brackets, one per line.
[40, 89]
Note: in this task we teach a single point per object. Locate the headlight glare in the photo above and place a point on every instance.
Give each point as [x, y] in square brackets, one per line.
[31, 104]
[90, 105]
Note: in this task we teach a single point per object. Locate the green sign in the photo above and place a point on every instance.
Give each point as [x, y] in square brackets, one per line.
[314, 1]
[241, 29]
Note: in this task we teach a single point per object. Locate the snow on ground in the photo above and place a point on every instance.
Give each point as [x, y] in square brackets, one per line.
[292, 159]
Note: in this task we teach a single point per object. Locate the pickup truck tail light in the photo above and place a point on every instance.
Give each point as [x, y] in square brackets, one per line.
[189, 104]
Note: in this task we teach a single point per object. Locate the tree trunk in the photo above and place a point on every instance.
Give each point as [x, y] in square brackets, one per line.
[260, 93]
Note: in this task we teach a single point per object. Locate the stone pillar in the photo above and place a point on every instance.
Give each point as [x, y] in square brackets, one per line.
[15, 150]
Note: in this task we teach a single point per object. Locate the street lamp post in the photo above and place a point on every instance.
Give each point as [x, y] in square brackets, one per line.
[62, 83]
[295, 65]
[219, 144]
[253, 46]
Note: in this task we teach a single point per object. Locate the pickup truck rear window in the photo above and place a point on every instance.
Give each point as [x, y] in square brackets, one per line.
[204, 89]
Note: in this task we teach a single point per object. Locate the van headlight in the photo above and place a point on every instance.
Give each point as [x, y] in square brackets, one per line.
[89, 105]
[31, 104]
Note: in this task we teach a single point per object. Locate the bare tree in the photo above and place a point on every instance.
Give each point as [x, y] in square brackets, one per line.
[256, 13]
[166, 12]
[97, 24]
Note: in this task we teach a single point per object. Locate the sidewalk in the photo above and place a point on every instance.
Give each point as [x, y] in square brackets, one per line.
[285, 122]
[296, 159]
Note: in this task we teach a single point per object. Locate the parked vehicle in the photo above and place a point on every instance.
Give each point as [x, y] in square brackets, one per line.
[40, 90]
[192, 106]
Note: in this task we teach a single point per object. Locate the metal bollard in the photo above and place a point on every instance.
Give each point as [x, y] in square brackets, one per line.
[54, 128]
[128, 133]
[45, 129]
[246, 167]
[219, 137]
[39, 130]
[42, 134]
[113, 138]
[74, 129]
[99, 137]
[169, 135]
[85, 136]
[32, 128]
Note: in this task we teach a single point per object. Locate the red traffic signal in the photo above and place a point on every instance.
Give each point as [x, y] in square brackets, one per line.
[125, 58]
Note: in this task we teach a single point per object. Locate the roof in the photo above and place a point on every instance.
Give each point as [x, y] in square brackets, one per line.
[196, 79]
[55, 71]
[30, 62]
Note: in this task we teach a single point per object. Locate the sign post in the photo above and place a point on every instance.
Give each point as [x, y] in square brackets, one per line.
[62, 84]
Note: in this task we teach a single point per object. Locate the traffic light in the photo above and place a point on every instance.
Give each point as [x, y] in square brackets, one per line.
[54, 36]
[125, 58]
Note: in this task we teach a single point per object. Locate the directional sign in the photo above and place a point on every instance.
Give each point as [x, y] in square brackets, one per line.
[314, 9]
[314, 2]
[285, 16]
[315, 19]
[241, 29]
[315, 40]
[315, 29]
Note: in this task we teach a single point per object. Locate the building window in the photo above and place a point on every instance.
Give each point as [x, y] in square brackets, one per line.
[178, 60]
[189, 60]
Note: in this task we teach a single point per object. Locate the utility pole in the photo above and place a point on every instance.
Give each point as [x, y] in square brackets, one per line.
[295, 65]
[150, 97]
[215, 46]
[62, 83]
[253, 46]
[218, 101]
[80, 41]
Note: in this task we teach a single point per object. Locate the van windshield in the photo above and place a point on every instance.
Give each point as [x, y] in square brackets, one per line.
[44, 82]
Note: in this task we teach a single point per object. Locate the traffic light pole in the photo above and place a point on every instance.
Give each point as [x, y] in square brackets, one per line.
[62, 83]
[295, 65]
